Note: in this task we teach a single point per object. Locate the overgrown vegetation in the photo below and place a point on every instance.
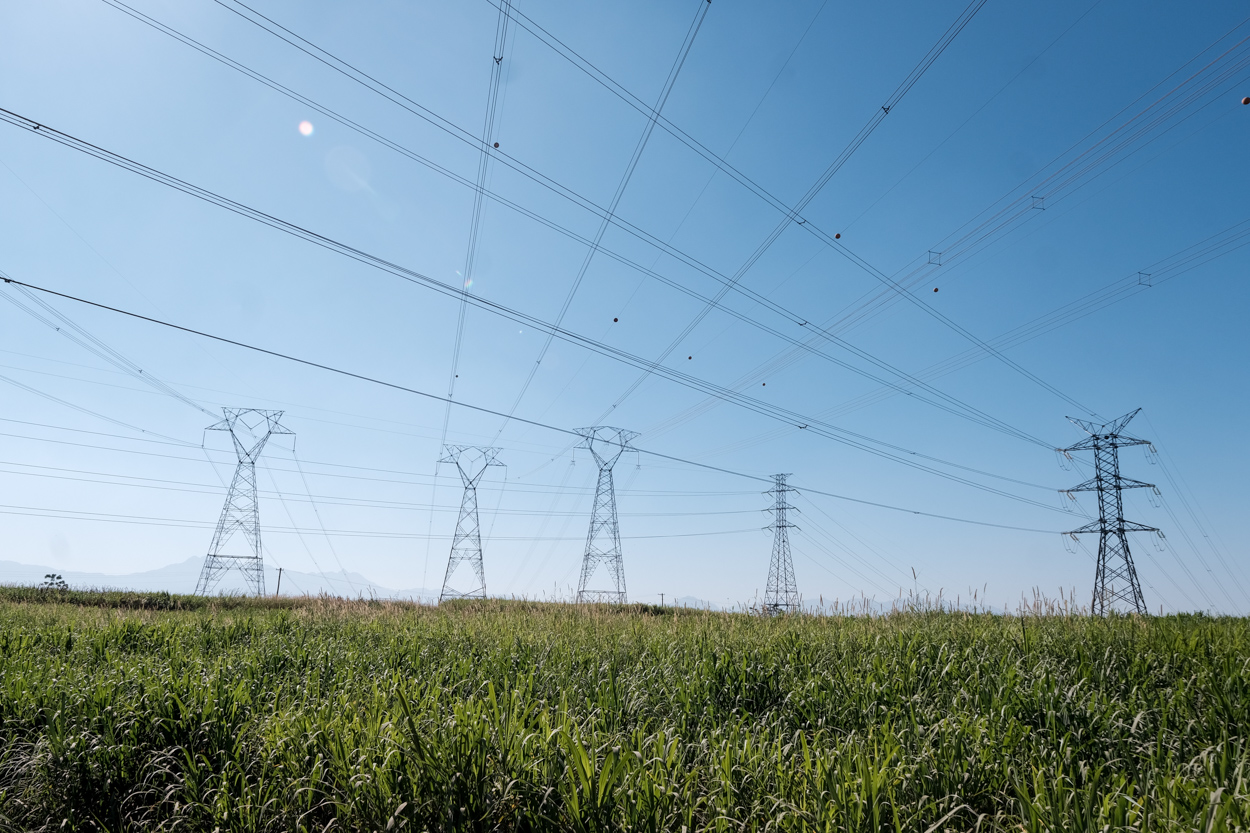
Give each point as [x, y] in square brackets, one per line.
[314, 715]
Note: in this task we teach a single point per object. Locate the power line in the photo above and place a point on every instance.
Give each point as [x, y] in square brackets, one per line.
[417, 278]
[145, 520]
[481, 409]
[639, 147]
[1185, 260]
[793, 214]
[463, 135]
[164, 484]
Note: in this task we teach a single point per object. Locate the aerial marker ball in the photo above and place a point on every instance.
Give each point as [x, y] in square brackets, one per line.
[935, 289]
[1246, 100]
[614, 320]
[838, 236]
[496, 144]
[689, 357]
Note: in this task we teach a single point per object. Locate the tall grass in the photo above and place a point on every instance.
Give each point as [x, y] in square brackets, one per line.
[323, 715]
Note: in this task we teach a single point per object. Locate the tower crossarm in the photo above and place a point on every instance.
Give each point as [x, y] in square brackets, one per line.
[1095, 527]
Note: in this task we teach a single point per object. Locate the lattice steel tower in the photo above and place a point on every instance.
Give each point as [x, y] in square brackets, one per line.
[466, 546]
[781, 594]
[250, 429]
[603, 542]
[1116, 577]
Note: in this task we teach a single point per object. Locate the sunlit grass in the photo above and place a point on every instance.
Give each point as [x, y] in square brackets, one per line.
[176, 713]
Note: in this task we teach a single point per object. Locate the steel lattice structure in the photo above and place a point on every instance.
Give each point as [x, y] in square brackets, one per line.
[781, 594]
[1116, 577]
[466, 545]
[250, 429]
[603, 541]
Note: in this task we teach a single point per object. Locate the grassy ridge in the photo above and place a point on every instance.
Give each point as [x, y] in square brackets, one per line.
[517, 716]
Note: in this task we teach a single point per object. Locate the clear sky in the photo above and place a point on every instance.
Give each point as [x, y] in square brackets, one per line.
[1050, 154]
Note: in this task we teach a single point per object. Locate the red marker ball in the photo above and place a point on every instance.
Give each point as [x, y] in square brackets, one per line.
[1246, 100]
[690, 357]
[838, 236]
[935, 289]
[614, 320]
[496, 144]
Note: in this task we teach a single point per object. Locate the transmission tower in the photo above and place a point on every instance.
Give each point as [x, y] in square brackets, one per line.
[603, 542]
[781, 594]
[466, 546]
[1116, 577]
[250, 429]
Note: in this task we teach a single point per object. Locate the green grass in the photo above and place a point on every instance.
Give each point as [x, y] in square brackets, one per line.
[130, 712]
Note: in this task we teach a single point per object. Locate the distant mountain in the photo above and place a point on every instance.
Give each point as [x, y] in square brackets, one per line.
[695, 602]
[181, 577]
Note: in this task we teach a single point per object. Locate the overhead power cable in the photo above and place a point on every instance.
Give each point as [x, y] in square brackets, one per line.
[1215, 246]
[793, 213]
[463, 135]
[852, 439]
[488, 411]
[540, 488]
[443, 124]
[96, 414]
[89, 342]
[112, 517]
[824, 429]
[189, 487]
[639, 147]
[811, 228]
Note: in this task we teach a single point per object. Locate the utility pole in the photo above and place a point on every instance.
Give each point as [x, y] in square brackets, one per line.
[603, 541]
[249, 429]
[1116, 577]
[661, 600]
[466, 546]
[278, 591]
[781, 595]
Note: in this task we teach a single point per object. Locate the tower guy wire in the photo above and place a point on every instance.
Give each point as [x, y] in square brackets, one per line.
[1115, 562]
[242, 508]
[466, 545]
[781, 594]
[603, 541]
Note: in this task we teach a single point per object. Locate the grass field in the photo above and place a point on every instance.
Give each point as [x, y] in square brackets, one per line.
[137, 712]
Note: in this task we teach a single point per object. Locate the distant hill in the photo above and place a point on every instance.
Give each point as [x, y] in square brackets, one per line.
[181, 577]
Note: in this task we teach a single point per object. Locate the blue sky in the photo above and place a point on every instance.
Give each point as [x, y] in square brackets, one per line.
[1124, 118]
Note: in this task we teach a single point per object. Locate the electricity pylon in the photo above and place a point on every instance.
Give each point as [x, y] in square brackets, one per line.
[781, 594]
[1115, 562]
[466, 546]
[250, 429]
[603, 542]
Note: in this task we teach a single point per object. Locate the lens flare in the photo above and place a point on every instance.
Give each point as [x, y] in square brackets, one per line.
[305, 128]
